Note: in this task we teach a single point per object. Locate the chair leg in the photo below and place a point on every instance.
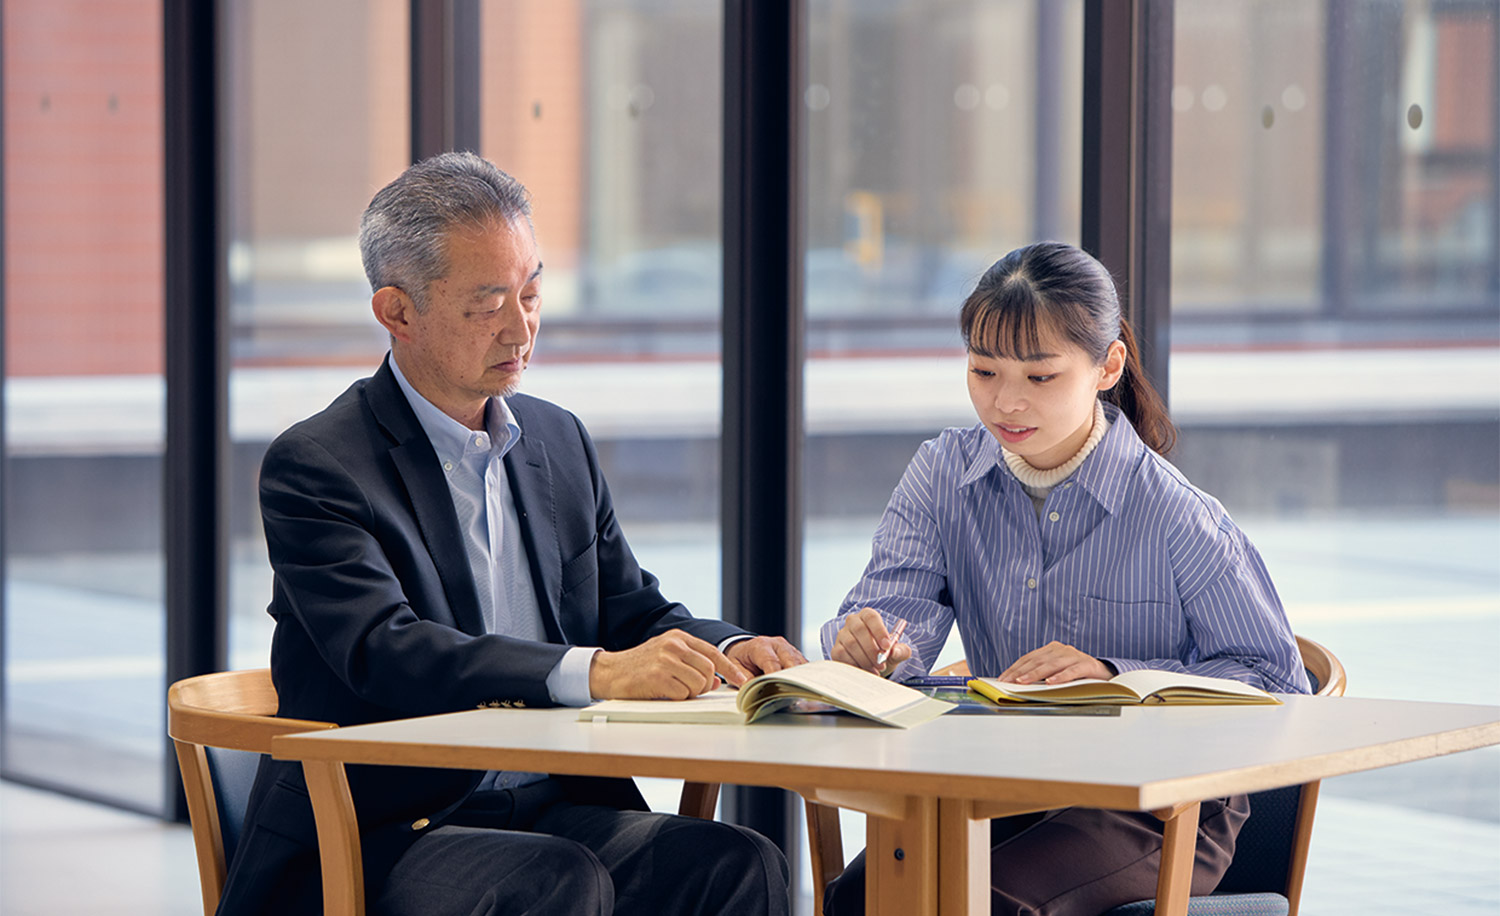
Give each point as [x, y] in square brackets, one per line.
[338, 838]
[1307, 806]
[1175, 883]
[825, 843]
[699, 799]
[203, 810]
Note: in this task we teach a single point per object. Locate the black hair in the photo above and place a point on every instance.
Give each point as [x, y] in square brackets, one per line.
[1057, 288]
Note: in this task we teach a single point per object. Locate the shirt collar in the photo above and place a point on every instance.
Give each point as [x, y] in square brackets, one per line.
[1106, 472]
[986, 458]
[450, 438]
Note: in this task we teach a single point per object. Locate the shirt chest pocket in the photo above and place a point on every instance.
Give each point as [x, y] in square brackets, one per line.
[1132, 626]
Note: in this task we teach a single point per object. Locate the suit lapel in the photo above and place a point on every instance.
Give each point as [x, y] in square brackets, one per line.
[431, 502]
[530, 476]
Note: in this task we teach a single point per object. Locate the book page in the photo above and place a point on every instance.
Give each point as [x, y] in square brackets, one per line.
[847, 686]
[1145, 684]
[719, 705]
[1146, 681]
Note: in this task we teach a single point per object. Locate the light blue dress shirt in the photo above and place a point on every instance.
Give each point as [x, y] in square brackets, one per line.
[1126, 561]
[473, 466]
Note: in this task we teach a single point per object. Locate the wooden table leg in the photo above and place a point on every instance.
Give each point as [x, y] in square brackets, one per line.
[338, 838]
[963, 859]
[1174, 885]
[901, 862]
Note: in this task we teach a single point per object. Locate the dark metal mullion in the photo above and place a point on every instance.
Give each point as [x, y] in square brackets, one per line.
[1336, 195]
[1127, 162]
[444, 76]
[197, 401]
[1047, 127]
[761, 442]
[1151, 255]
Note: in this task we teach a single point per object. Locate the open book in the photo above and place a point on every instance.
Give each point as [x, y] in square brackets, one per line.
[1142, 686]
[832, 683]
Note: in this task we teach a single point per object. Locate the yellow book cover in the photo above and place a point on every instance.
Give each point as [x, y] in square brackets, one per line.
[1141, 687]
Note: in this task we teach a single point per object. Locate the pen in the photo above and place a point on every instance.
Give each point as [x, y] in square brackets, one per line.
[896, 632]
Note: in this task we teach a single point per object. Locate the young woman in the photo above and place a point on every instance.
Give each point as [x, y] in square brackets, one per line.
[1064, 546]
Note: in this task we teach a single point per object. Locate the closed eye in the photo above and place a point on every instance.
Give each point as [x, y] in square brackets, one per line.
[982, 373]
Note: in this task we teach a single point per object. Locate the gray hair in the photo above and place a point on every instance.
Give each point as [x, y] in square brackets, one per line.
[404, 232]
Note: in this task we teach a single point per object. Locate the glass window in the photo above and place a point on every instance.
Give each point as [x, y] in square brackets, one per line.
[84, 608]
[316, 113]
[609, 112]
[1335, 363]
[939, 136]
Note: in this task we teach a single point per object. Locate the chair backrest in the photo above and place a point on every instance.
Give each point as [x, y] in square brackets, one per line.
[1271, 850]
[220, 724]
[233, 773]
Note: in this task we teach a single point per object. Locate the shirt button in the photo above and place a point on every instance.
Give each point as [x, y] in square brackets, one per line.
[420, 823]
[1055, 517]
[1031, 583]
[447, 465]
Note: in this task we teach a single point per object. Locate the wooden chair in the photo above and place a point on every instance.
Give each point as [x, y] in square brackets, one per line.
[235, 711]
[1270, 860]
[220, 724]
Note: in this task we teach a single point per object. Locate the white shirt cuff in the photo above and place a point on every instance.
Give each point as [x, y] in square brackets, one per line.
[568, 683]
[739, 637]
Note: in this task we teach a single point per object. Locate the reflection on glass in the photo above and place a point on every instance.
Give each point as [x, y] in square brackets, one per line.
[610, 113]
[84, 613]
[1335, 160]
[1336, 354]
[316, 101]
[939, 137]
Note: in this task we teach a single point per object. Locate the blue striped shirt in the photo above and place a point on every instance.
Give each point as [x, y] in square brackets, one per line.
[1127, 562]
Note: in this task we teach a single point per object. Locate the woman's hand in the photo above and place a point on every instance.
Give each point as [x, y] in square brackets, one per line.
[861, 640]
[1054, 663]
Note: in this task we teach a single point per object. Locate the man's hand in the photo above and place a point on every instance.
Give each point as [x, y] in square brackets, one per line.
[672, 666]
[861, 640]
[1055, 663]
[764, 654]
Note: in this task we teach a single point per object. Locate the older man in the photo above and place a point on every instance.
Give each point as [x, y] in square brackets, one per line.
[441, 542]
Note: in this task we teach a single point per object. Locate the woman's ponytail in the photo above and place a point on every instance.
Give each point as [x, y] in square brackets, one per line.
[1138, 400]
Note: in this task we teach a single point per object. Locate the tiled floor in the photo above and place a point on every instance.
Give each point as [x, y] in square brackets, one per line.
[60, 857]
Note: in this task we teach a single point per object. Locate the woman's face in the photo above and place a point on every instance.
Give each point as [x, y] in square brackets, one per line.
[1041, 405]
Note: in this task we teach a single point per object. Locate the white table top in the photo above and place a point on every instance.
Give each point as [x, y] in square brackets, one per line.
[1146, 758]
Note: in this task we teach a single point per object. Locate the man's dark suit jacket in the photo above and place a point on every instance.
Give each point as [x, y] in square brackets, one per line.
[377, 615]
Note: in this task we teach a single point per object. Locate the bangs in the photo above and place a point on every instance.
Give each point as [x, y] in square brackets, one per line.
[1007, 324]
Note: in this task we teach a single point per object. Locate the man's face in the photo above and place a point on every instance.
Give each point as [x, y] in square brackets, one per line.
[476, 334]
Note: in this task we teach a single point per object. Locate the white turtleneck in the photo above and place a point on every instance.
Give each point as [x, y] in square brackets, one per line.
[1038, 482]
